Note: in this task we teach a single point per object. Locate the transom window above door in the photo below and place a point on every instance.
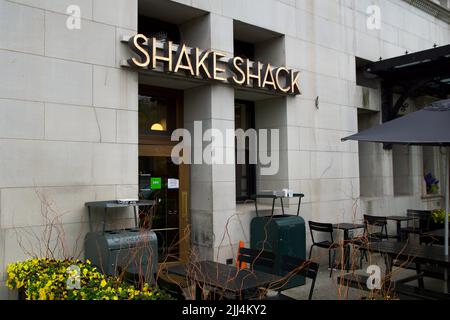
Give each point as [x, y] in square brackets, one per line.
[156, 116]
[159, 114]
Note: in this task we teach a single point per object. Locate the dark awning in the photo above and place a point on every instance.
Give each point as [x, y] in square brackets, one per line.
[430, 68]
[429, 126]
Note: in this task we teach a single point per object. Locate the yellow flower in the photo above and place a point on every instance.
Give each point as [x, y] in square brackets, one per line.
[88, 261]
[42, 294]
[103, 283]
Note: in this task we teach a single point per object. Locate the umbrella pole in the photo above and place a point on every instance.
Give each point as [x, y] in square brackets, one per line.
[447, 177]
[447, 210]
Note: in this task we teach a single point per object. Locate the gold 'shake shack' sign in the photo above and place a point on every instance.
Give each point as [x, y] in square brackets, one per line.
[209, 64]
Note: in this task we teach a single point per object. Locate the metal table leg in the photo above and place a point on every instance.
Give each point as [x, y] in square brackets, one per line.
[346, 251]
[399, 231]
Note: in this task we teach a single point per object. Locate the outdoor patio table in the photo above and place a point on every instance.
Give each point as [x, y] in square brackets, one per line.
[226, 278]
[274, 198]
[114, 204]
[398, 220]
[412, 253]
[346, 227]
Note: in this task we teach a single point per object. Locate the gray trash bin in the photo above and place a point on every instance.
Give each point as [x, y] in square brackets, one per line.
[134, 251]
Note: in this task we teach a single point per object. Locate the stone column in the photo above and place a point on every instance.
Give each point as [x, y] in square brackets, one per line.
[212, 187]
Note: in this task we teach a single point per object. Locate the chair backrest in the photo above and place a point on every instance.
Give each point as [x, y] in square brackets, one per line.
[423, 218]
[375, 227]
[322, 228]
[306, 268]
[257, 258]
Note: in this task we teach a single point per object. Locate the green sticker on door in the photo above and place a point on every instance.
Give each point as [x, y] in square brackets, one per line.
[155, 183]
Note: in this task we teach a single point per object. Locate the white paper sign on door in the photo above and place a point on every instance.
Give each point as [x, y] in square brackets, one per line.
[173, 184]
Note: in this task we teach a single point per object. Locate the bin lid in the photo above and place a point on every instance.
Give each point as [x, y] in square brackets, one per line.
[128, 238]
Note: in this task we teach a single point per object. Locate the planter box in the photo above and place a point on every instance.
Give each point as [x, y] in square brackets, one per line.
[436, 226]
[21, 294]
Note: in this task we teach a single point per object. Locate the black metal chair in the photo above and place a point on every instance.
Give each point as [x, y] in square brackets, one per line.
[419, 225]
[330, 245]
[262, 260]
[295, 266]
[256, 260]
[375, 228]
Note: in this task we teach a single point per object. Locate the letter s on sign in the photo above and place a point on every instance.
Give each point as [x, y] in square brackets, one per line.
[374, 280]
[74, 20]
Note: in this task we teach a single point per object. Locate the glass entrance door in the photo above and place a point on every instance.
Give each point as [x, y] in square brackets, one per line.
[160, 112]
[159, 181]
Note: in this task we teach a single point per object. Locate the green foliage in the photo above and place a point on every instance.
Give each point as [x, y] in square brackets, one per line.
[438, 215]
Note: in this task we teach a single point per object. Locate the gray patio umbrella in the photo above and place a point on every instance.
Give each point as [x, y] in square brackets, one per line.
[427, 127]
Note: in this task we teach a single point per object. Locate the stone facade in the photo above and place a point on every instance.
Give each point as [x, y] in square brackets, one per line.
[69, 112]
[66, 109]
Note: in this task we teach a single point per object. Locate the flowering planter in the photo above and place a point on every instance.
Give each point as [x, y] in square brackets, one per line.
[46, 279]
[436, 226]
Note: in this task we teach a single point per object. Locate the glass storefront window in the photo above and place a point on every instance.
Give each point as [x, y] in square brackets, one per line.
[155, 116]
[245, 173]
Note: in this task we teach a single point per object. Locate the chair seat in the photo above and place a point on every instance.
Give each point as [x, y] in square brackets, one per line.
[404, 264]
[327, 244]
[353, 280]
[358, 241]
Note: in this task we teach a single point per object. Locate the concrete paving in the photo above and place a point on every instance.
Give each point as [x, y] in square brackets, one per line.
[327, 288]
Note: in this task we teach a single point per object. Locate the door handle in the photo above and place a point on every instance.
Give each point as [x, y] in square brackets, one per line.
[184, 205]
